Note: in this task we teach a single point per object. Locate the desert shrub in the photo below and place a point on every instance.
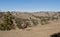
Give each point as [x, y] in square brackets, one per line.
[38, 17]
[41, 17]
[2, 27]
[19, 21]
[7, 23]
[55, 35]
[1, 14]
[44, 21]
[54, 18]
[34, 21]
[22, 23]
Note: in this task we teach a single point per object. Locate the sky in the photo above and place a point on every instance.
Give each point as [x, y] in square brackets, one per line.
[29, 5]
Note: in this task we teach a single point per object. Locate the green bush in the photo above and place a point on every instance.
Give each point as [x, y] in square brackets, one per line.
[20, 21]
[1, 14]
[44, 21]
[34, 21]
[54, 18]
[7, 23]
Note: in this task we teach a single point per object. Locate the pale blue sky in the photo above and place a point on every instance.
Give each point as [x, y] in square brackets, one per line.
[30, 5]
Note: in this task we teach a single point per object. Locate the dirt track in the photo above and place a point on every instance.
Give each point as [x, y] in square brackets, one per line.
[38, 31]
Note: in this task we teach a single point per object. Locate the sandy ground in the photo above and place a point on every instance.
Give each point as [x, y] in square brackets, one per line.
[38, 31]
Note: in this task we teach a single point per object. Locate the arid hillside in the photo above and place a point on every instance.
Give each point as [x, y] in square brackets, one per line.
[25, 24]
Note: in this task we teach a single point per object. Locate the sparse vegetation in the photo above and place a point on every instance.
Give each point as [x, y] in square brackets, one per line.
[22, 23]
